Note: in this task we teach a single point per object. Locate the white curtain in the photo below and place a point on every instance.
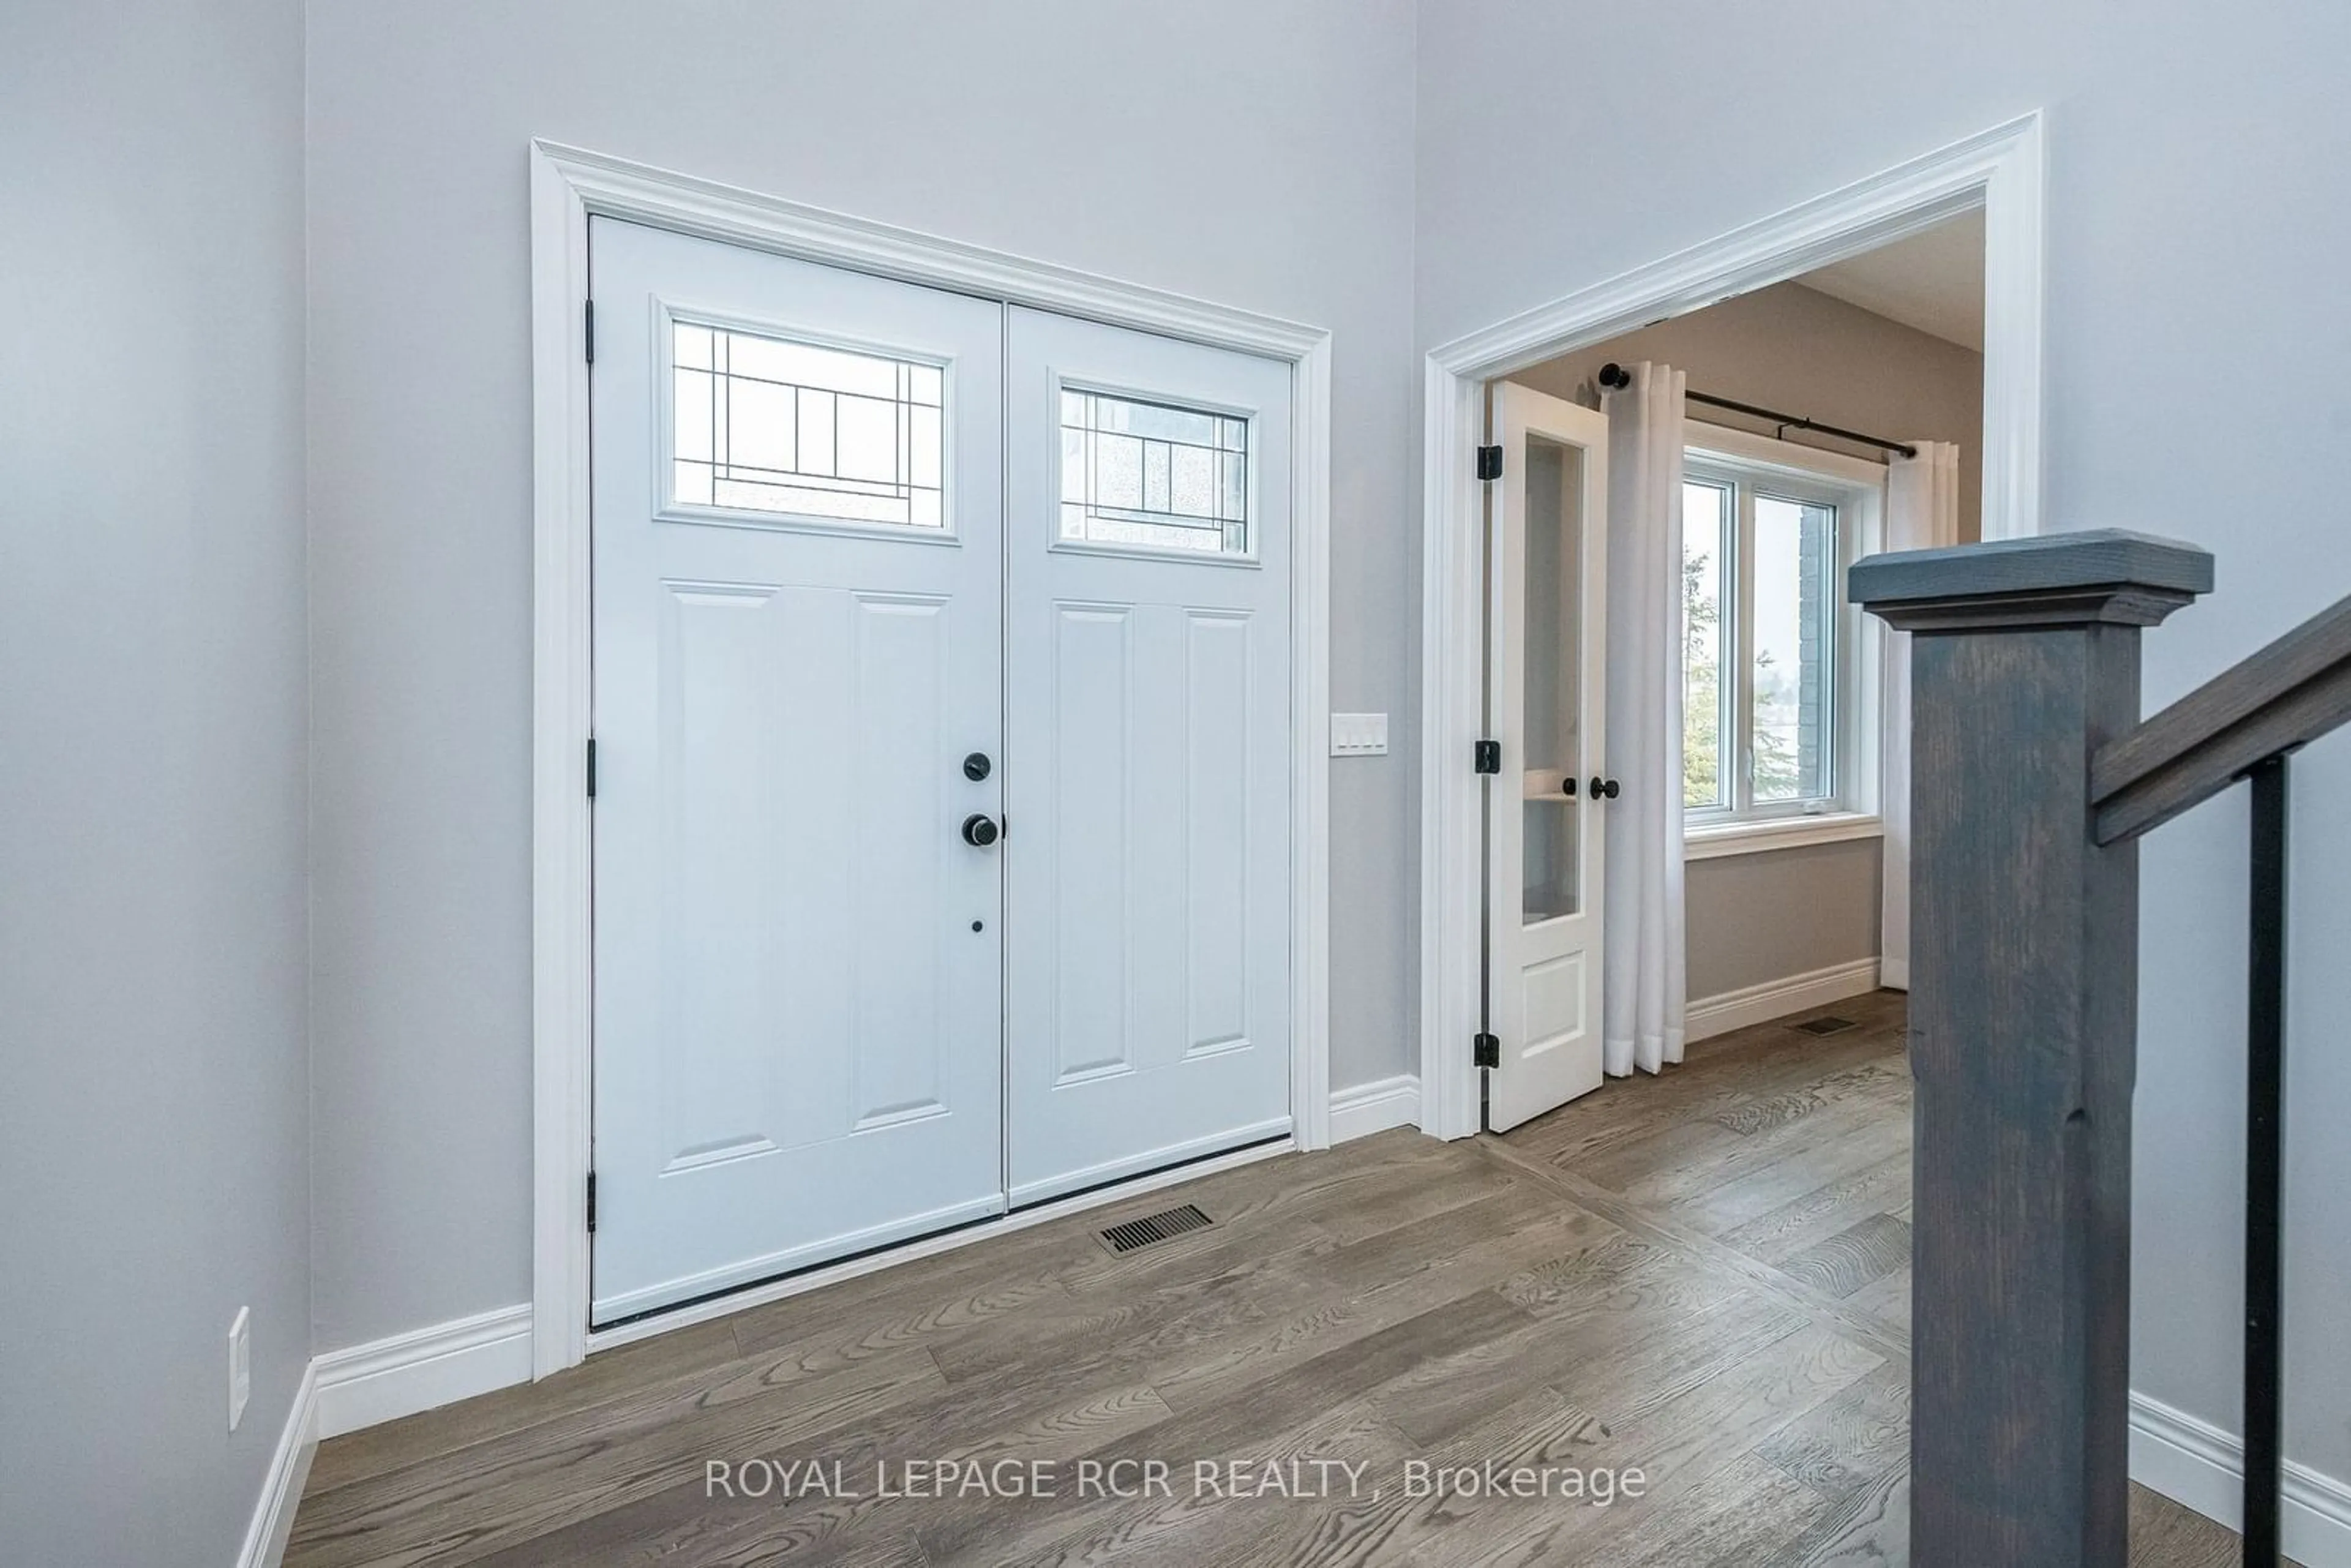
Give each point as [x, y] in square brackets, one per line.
[1644, 989]
[1922, 512]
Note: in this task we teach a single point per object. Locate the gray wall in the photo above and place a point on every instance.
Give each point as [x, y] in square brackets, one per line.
[1754, 919]
[2195, 162]
[1250, 152]
[153, 1121]
[1792, 349]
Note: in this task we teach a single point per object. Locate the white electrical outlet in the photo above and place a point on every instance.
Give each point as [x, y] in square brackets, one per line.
[240, 1365]
[1359, 734]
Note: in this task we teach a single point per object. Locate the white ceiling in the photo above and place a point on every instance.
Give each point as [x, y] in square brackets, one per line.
[1933, 280]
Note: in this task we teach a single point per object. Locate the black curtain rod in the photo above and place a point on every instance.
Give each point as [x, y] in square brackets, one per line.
[1614, 376]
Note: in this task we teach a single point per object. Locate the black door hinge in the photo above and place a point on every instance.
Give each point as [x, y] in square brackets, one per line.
[1490, 463]
[591, 767]
[1485, 1051]
[588, 319]
[592, 1203]
[1487, 757]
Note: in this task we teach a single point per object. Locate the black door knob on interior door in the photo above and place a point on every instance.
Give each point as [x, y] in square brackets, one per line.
[1604, 788]
[980, 830]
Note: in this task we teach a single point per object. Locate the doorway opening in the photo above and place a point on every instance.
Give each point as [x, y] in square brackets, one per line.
[1688, 729]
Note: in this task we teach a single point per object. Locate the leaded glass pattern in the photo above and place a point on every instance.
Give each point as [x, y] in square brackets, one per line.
[1152, 474]
[767, 424]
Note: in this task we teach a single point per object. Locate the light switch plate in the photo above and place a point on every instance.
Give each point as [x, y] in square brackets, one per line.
[1359, 734]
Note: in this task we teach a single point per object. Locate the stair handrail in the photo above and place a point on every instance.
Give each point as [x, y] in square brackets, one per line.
[2272, 701]
[2033, 778]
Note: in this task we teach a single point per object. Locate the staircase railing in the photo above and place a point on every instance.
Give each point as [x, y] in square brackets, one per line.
[2032, 778]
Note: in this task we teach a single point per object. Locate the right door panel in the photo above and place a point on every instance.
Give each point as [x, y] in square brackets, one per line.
[1147, 787]
[1547, 624]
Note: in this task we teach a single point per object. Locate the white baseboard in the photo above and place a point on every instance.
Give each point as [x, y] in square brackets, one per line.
[1375, 1107]
[2198, 1466]
[281, 1488]
[1711, 1016]
[389, 1378]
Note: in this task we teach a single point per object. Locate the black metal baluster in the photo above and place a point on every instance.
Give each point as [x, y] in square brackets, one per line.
[2265, 1040]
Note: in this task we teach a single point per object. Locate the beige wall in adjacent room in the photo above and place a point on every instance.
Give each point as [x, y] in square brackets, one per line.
[1756, 918]
[1791, 348]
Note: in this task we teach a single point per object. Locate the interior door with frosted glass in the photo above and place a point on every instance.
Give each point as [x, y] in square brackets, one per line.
[1547, 630]
[1147, 796]
[797, 633]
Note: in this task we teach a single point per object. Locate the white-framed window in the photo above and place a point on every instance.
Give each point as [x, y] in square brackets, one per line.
[1774, 711]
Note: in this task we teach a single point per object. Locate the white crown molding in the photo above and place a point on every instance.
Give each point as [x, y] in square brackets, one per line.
[691, 205]
[1997, 169]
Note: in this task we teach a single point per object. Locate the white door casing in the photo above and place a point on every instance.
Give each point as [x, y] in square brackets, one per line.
[1548, 647]
[797, 959]
[1148, 781]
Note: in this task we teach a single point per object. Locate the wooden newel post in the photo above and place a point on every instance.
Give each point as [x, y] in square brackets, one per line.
[2025, 660]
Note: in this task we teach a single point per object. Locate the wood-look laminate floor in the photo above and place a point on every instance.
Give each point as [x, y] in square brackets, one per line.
[1703, 1276]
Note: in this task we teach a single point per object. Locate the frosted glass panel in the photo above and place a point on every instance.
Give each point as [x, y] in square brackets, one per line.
[1554, 680]
[1152, 474]
[766, 424]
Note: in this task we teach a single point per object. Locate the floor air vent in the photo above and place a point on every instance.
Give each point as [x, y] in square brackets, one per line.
[1824, 1026]
[1154, 1228]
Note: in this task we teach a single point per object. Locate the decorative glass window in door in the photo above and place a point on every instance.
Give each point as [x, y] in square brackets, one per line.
[1152, 474]
[766, 424]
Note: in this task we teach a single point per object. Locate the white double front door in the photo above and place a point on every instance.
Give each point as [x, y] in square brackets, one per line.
[941, 764]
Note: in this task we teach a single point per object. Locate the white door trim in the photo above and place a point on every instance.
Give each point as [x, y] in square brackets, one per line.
[1999, 170]
[568, 186]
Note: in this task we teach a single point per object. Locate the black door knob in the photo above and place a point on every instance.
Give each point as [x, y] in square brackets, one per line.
[980, 831]
[1604, 788]
[977, 767]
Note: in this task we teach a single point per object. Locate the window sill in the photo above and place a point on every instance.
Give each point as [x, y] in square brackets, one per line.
[1757, 837]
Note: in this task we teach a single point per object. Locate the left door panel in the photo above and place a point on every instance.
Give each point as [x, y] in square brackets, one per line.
[797, 644]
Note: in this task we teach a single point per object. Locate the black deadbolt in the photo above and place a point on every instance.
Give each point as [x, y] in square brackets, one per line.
[1604, 788]
[977, 767]
[980, 831]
